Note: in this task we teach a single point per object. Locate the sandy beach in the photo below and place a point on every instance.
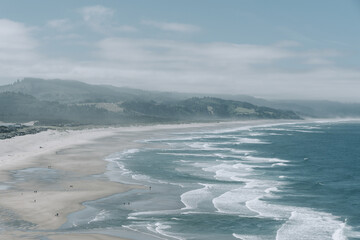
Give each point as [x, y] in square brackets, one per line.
[73, 157]
[74, 162]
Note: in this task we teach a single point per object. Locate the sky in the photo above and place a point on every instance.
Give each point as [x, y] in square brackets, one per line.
[271, 49]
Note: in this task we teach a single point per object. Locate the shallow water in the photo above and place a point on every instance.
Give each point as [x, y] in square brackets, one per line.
[43, 175]
[290, 181]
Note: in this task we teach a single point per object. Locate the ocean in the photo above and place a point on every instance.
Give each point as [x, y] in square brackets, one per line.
[276, 181]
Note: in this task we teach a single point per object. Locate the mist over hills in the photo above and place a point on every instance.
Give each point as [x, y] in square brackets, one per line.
[64, 102]
[60, 102]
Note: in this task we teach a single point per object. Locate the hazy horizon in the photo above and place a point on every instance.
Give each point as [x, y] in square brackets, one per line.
[280, 50]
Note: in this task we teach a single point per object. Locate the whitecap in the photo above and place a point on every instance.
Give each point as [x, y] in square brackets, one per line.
[278, 164]
[308, 224]
[229, 172]
[264, 160]
[191, 199]
[256, 134]
[251, 141]
[271, 189]
[233, 202]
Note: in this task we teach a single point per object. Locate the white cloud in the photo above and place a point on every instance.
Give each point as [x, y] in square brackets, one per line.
[160, 51]
[318, 61]
[287, 43]
[60, 24]
[154, 64]
[172, 26]
[97, 17]
[125, 28]
[96, 13]
[225, 67]
[100, 19]
[16, 43]
[14, 35]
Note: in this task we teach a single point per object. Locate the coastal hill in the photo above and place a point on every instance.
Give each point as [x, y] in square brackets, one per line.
[59, 102]
[108, 97]
[67, 91]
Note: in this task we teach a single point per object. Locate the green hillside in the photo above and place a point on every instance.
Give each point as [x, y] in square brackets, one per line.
[65, 91]
[206, 108]
[59, 102]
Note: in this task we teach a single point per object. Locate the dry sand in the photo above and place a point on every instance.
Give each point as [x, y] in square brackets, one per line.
[53, 236]
[84, 237]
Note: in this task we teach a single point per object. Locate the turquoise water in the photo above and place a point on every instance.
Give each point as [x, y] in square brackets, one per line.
[290, 181]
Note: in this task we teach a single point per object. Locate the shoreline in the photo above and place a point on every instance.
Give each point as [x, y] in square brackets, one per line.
[66, 154]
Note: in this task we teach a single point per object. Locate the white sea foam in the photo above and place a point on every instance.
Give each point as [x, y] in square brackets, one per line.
[229, 175]
[123, 170]
[264, 160]
[102, 215]
[191, 199]
[116, 158]
[128, 152]
[242, 166]
[243, 152]
[185, 161]
[254, 134]
[250, 199]
[170, 139]
[264, 209]
[229, 172]
[121, 173]
[147, 213]
[134, 228]
[238, 236]
[309, 224]
[217, 155]
[271, 189]
[307, 131]
[339, 233]
[187, 138]
[274, 129]
[187, 154]
[144, 178]
[160, 228]
[201, 146]
[278, 164]
[300, 222]
[308, 127]
[237, 200]
[233, 202]
[141, 177]
[211, 147]
[251, 141]
[248, 237]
